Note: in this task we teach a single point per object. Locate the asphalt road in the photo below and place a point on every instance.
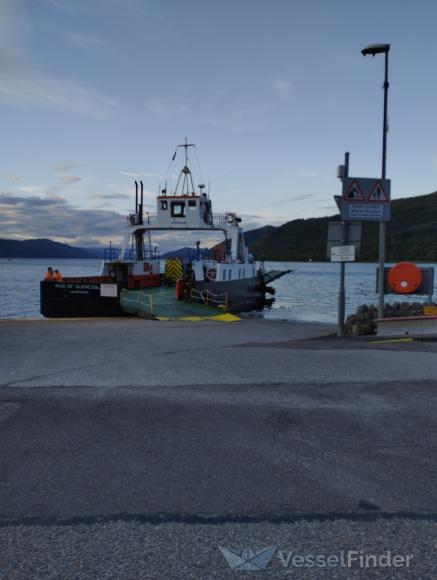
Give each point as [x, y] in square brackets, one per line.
[257, 433]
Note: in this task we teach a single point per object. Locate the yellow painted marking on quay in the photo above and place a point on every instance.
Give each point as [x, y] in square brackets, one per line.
[219, 318]
[392, 340]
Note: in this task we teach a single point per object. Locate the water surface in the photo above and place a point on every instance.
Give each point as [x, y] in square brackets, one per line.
[309, 293]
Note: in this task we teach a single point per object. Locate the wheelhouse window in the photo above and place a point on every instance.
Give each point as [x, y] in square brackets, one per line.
[191, 204]
[164, 204]
[177, 209]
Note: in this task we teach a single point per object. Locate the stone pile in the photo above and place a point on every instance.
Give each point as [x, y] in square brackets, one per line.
[363, 322]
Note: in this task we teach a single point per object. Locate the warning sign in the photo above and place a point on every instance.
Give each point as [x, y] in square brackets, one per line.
[378, 194]
[366, 189]
[365, 199]
[354, 193]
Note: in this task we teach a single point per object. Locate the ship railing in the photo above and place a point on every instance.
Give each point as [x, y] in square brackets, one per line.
[219, 220]
[150, 218]
[141, 302]
[137, 301]
[112, 254]
[218, 299]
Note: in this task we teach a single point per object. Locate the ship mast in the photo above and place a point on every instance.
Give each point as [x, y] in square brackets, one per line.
[185, 172]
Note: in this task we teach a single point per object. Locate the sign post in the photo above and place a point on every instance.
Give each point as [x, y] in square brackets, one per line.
[373, 50]
[341, 291]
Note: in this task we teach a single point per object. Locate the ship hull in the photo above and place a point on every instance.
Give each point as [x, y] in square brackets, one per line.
[69, 299]
[241, 295]
[65, 300]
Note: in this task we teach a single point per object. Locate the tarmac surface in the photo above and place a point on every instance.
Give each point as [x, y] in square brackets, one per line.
[133, 449]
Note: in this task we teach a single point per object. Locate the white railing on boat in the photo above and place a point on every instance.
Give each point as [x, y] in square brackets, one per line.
[151, 219]
[208, 297]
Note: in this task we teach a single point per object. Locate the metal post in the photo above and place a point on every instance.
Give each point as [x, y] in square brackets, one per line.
[341, 291]
[383, 173]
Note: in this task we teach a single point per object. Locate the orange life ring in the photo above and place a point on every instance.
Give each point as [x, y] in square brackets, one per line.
[211, 273]
[405, 277]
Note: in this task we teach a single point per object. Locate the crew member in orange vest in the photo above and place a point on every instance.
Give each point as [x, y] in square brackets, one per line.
[57, 277]
[49, 275]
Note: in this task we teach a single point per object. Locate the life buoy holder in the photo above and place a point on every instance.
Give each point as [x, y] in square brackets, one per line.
[405, 278]
[211, 274]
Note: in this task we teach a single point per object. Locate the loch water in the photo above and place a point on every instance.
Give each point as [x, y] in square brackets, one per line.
[308, 293]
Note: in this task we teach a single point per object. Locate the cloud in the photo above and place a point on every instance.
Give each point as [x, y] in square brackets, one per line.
[111, 196]
[135, 174]
[291, 199]
[68, 179]
[129, 192]
[23, 85]
[56, 218]
[24, 88]
[250, 112]
[32, 189]
[64, 166]
[10, 176]
[166, 105]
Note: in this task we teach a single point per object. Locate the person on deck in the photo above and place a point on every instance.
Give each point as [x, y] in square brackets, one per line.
[49, 275]
[57, 277]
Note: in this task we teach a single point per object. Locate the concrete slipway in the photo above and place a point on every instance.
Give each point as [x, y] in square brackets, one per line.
[132, 448]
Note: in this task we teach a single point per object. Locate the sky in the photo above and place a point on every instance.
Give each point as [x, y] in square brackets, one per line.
[97, 93]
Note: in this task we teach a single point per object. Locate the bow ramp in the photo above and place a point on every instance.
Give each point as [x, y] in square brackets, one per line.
[274, 275]
[161, 303]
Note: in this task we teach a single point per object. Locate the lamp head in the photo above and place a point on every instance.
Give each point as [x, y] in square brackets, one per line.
[375, 49]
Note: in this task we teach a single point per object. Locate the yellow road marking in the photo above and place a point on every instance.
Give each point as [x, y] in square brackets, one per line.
[392, 340]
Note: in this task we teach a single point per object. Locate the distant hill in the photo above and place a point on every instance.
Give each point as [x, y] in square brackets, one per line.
[97, 252]
[259, 234]
[411, 235]
[41, 249]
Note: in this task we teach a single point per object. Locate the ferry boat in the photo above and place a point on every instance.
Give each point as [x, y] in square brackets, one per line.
[134, 279]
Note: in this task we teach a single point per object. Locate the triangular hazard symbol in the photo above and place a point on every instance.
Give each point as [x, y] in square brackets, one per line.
[354, 192]
[378, 193]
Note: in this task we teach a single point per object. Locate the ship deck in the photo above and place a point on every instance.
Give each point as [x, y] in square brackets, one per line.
[161, 302]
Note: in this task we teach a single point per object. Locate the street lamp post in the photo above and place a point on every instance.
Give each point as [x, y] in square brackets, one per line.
[381, 49]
